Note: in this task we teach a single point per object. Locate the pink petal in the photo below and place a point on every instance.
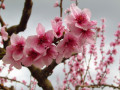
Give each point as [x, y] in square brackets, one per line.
[54, 25]
[87, 11]
[31, 41]
[75, 30]
[69, 19]
[50, 36]
[47, 61]
[17, 55]
[59, 58]
[17, 65]
[40, 49]
[74, 10]
[79, 26]
[4, 33]
[14, 39]
[27, 61]
[6, 59]
[40, 29]
[39, 63]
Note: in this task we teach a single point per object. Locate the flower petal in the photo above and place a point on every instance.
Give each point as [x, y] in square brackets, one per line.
[17, 55]
[40, 29]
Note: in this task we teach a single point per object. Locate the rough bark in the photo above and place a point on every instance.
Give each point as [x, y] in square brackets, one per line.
[41, 78]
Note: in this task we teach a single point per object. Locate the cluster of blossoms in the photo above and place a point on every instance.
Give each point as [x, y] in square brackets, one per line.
[61, 43]
[55, 44]
[79, 73]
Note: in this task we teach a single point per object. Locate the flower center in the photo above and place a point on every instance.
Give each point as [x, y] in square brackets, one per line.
[33, 54]
[19, 47]
[81, 19]
[42, 39]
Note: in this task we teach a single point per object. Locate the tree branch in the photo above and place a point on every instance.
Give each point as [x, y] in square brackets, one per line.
[61, 9]
[2, 22]
[6, 78]
[2, 87]
[41, 78]
[23, 22]
[97, 86]
[2, 53]
[24, 19]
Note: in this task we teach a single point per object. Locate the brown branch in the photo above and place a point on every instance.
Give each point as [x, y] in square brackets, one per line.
[49, 70]
[13, 80]
[2, 53]
[56, 40]
[2, 22]
[76, 2]
[61, 9]
[97, 86]
[42, 75]
[2, 87]
[41, 78]
[24, 19]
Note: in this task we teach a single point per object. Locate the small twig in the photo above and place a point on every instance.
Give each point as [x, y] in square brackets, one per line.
[13, 80]
[24, 19]
[76, 2]
[2, 22]
[97, 86]
[61, 8]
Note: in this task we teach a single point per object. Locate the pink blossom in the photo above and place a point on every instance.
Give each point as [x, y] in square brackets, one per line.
[31, 56]
[108, 52]
[40, 41]
[14, 78]
[14, 52]
[98, 29]
[1, 69]
[67, 11]
[113, 44]
[114, 51]
[80, 18]
[3, 6]
[85, 89]
[103, 20]
[18, 43]
[4, 33]
[24, 82]
[64, 81]
[47, 59]
[67, 46]
[56, 4]
[57, 27]
[107, 71]
[10, 69]
[84, 36]
[57, 19]
[117, 34]
[79, 57]
[76, 65]
[119, 25]
[110, 60]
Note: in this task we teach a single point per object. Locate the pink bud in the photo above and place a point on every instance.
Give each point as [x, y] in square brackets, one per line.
[3, 6]
[56, 4]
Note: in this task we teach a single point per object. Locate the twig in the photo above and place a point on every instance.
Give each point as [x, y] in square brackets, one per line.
[61, 9]
[2, 22]
[97, 86]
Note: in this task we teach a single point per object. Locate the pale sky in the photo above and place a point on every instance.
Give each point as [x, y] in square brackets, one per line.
[43, 12]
